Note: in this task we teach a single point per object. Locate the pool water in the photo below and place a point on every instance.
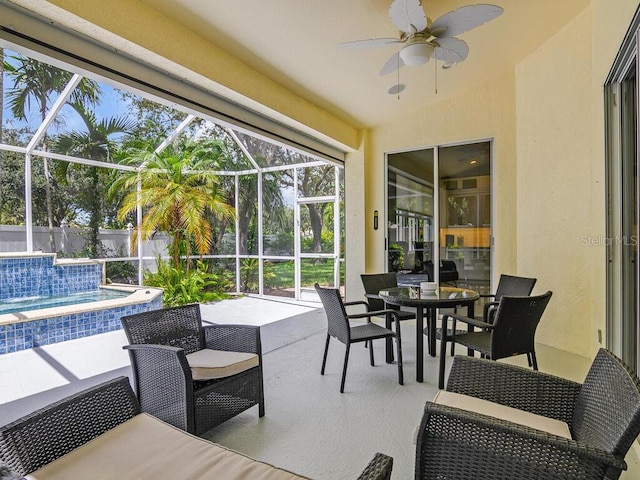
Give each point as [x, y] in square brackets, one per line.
[36, 303]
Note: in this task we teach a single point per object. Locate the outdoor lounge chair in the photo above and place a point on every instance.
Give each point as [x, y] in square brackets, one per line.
[192, 376]
[600, 420]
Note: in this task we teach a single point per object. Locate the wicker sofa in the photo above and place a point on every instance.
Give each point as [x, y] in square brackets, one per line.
[100, 433]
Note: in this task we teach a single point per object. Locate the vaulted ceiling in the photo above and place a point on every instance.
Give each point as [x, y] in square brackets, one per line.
[294, 42]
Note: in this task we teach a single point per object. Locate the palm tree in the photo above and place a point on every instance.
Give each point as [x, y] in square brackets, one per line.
[94, 144]
[178, 195]
[39, 82]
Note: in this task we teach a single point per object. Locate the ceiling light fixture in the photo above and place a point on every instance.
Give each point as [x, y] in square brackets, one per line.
[416, 54]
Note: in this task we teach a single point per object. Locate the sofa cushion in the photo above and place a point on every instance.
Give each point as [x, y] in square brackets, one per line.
[496, 410]
[210, 364]
[145, 448]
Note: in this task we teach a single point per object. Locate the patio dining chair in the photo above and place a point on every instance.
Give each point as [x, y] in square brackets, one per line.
[512, 332]
[498, 421]
[339, 327]
[373, 283]
[192, 376]
[507, 285]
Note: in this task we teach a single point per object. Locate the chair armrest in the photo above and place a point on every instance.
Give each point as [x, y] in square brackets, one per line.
[487, 307]
[376, 313]
[514, 386]
[233, 338]
[164, 383]
[379, 468]
[467, 320]
[451, 442]
[45, 435]
[487, 295]
[372, 295]
[357, 302]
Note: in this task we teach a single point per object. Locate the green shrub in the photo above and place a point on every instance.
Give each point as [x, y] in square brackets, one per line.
[181, 286]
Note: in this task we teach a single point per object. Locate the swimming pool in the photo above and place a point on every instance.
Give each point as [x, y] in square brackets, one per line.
[35, 303]
[45, 300]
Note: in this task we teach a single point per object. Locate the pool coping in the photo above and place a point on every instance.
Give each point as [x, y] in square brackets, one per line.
[138, 295]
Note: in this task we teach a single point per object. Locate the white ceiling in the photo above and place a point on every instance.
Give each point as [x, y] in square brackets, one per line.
[294, 43]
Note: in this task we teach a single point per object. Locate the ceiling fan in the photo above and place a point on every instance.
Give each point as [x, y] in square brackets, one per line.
[422, 39]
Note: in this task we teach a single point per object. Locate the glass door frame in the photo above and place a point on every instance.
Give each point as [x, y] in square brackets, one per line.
[622, 140]
[336, 227]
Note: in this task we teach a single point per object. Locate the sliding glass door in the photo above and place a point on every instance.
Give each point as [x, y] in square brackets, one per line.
[439, 213]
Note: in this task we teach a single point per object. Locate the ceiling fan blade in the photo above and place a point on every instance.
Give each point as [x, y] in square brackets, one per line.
[463, 19]
[408, 15]
[391, 65]
[370, 43]
[450, 49]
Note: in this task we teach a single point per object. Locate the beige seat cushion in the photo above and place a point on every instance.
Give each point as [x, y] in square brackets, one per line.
[145, 448]
[495, 410]
[210, 364]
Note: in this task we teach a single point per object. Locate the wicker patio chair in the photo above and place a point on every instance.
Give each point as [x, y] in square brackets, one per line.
[161, 345]
[602, 414]
[338, 326]
[511, 285]
[512, 332]
[373, 283]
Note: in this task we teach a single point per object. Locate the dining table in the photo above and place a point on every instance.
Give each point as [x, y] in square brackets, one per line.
[429, 302]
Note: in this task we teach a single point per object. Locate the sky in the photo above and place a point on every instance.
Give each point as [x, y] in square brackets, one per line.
[111, 105]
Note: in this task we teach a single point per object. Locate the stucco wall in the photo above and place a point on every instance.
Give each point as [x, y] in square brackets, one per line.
[561, 172]
[555, 183]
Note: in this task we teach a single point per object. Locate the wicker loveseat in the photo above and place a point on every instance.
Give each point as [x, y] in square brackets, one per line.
[601, 419]
[101, 434]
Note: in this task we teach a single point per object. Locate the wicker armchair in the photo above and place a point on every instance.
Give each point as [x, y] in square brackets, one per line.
[160, 343]
[603, 416]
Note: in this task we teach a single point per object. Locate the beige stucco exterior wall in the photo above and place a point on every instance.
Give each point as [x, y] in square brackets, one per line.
[561, 172]
[556, 181]
[484, 112]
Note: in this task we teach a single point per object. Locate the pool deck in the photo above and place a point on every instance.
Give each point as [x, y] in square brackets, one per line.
[32, 378]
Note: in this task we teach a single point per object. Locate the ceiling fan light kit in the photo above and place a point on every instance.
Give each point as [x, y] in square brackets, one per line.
[421, 39]
[416, 54]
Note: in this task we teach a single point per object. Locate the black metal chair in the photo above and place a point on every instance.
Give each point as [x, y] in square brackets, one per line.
[339, 327]
[602, 413]
[161, 346]
[511, 333]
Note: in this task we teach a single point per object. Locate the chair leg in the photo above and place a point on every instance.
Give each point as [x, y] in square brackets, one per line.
[534, 360]
[399, 347]
[344, 369]
[371, 353]
[324, 358]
